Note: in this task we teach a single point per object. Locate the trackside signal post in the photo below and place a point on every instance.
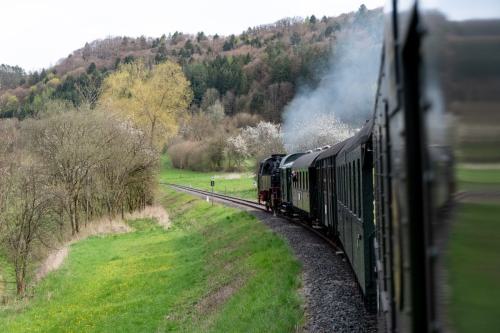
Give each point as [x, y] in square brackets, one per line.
[212, 184]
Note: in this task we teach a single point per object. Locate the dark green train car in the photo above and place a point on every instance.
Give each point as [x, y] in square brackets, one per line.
[326, 188]
[304, 192]
[355, 227]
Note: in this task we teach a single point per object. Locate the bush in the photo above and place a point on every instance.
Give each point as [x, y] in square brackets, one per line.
[243, 119]
[190, 155]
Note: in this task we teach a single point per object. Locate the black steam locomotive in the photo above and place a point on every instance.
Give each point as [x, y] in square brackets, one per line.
[385, 194]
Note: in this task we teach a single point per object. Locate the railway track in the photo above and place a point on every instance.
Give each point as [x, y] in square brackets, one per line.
[254, 205]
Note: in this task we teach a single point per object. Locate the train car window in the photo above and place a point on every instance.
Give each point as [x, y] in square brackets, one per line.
[360, 209]
[339, 182]
[354, 190]
[350, 186]
[348, 190]
[337, 185]
[343, 186]
[353, 187]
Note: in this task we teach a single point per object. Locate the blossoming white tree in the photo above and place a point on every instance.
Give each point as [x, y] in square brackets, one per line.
[324, 129]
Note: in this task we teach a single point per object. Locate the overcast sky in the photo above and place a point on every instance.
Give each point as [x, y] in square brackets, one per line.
[37, 33]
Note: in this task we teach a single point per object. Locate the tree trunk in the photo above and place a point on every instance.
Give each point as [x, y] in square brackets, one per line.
[72, 220]
[86, 211]
[75, 214]
[153, 124]
[21, 277]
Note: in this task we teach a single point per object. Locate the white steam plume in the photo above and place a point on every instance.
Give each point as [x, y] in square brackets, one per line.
[344, 98]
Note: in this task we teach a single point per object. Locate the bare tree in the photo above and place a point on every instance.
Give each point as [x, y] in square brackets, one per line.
[128, 175]
[90, 91]
[25, 217]
[69, 146]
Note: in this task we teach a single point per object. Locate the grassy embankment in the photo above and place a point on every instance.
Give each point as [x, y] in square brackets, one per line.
[216, 269]
[473, 255]
[240, 185]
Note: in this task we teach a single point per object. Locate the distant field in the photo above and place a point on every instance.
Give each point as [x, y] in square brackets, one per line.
[473, 254]
[241, 185]
[216, 270]
[478, 178]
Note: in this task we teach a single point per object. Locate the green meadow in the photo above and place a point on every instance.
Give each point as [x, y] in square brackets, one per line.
[242, 185]
[473, 253]
[216, 269]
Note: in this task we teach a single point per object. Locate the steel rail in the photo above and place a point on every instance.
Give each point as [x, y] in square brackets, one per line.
[255, 205]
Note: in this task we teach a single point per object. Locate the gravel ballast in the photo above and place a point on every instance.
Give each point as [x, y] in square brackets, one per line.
[333, 302]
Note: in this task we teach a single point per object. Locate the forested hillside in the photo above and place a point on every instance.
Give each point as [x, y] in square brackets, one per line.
[256, 72]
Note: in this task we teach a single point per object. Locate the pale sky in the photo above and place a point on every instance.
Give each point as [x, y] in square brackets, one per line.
[37, 33]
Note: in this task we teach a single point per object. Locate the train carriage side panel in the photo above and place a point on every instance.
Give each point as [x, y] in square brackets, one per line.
[327, 195]
[286, 180]
[303, 184]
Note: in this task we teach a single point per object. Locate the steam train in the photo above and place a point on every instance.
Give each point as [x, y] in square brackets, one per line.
[386, 193]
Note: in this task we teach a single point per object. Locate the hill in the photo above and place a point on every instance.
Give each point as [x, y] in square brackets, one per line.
[257, 71]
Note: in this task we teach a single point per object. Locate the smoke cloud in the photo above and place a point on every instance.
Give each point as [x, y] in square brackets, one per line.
[345, 96]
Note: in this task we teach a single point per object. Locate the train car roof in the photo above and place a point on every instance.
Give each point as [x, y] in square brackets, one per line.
[334, 150]
[289, 159]
[361, 137]
[306, 160]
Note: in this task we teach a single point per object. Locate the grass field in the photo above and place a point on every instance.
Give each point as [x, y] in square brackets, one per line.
[478, 179]
[474, 272]
[473, 254]
[216, 269]
[236, 184]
